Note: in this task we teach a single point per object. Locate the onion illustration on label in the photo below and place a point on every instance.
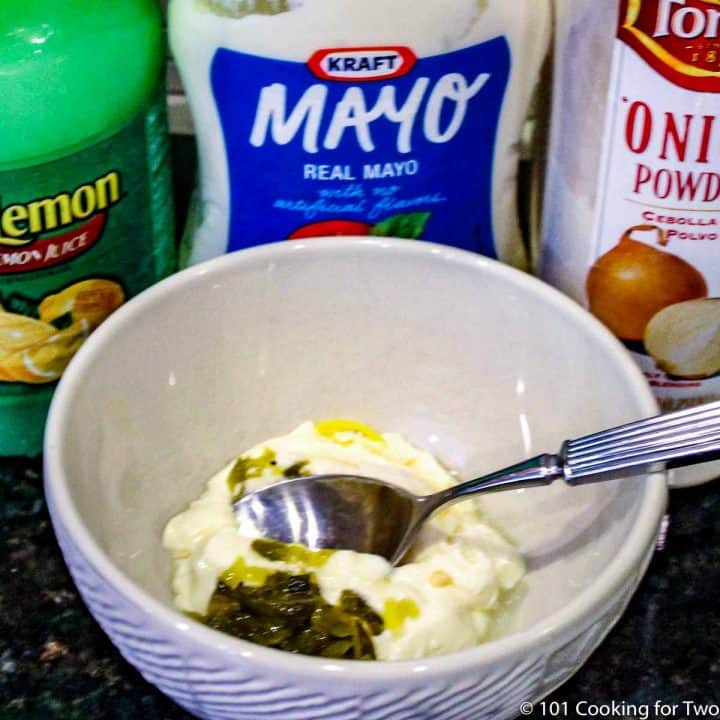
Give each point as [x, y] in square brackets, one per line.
[684, 339]
[633, 281]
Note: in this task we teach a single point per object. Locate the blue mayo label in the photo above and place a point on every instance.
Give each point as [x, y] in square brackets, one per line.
[362, 141]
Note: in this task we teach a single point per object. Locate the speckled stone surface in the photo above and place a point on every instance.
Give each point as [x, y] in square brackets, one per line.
[56, 664]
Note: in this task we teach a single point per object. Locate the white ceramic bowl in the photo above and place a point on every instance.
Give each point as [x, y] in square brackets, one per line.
[477, 362]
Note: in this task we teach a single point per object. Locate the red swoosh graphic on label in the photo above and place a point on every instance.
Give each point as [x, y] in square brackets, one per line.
[693, 64]
[53, 250]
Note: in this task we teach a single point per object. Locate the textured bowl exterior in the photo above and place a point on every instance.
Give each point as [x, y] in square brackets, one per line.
[217, 686]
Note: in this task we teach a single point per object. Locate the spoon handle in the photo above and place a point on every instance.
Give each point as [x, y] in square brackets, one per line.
[540, 470]
[683, 438]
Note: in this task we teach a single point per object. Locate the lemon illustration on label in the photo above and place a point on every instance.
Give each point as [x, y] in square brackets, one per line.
[37, 351]
[91, 300]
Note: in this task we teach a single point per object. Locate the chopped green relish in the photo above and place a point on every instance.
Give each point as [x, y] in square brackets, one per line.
[289, 613]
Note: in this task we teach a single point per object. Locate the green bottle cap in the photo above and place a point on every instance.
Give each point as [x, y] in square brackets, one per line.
[72, 71]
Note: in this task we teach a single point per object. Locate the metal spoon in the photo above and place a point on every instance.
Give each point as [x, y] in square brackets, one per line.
[372, 516]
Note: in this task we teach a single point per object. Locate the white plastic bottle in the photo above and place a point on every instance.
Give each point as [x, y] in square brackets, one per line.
[342, 117]
[632, 207]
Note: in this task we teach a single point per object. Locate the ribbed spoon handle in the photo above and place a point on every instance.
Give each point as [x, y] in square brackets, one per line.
[684, 438]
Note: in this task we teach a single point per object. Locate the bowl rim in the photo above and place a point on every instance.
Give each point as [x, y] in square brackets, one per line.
[578, 612]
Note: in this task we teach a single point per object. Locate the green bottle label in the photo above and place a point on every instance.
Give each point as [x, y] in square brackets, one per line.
[78, 237]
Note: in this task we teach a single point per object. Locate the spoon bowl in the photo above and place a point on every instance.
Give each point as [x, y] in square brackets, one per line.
[331, 511]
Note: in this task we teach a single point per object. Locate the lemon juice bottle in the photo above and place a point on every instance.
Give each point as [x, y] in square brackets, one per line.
[85, 196]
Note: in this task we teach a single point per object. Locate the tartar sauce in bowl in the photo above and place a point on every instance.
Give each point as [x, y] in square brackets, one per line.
[340, 603]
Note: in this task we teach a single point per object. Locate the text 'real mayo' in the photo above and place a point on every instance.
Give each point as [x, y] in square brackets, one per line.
[381, 117]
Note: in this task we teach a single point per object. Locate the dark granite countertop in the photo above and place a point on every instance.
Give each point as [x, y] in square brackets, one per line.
[56, 663]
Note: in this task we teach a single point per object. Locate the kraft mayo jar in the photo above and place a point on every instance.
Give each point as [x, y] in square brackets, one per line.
[338, 117]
